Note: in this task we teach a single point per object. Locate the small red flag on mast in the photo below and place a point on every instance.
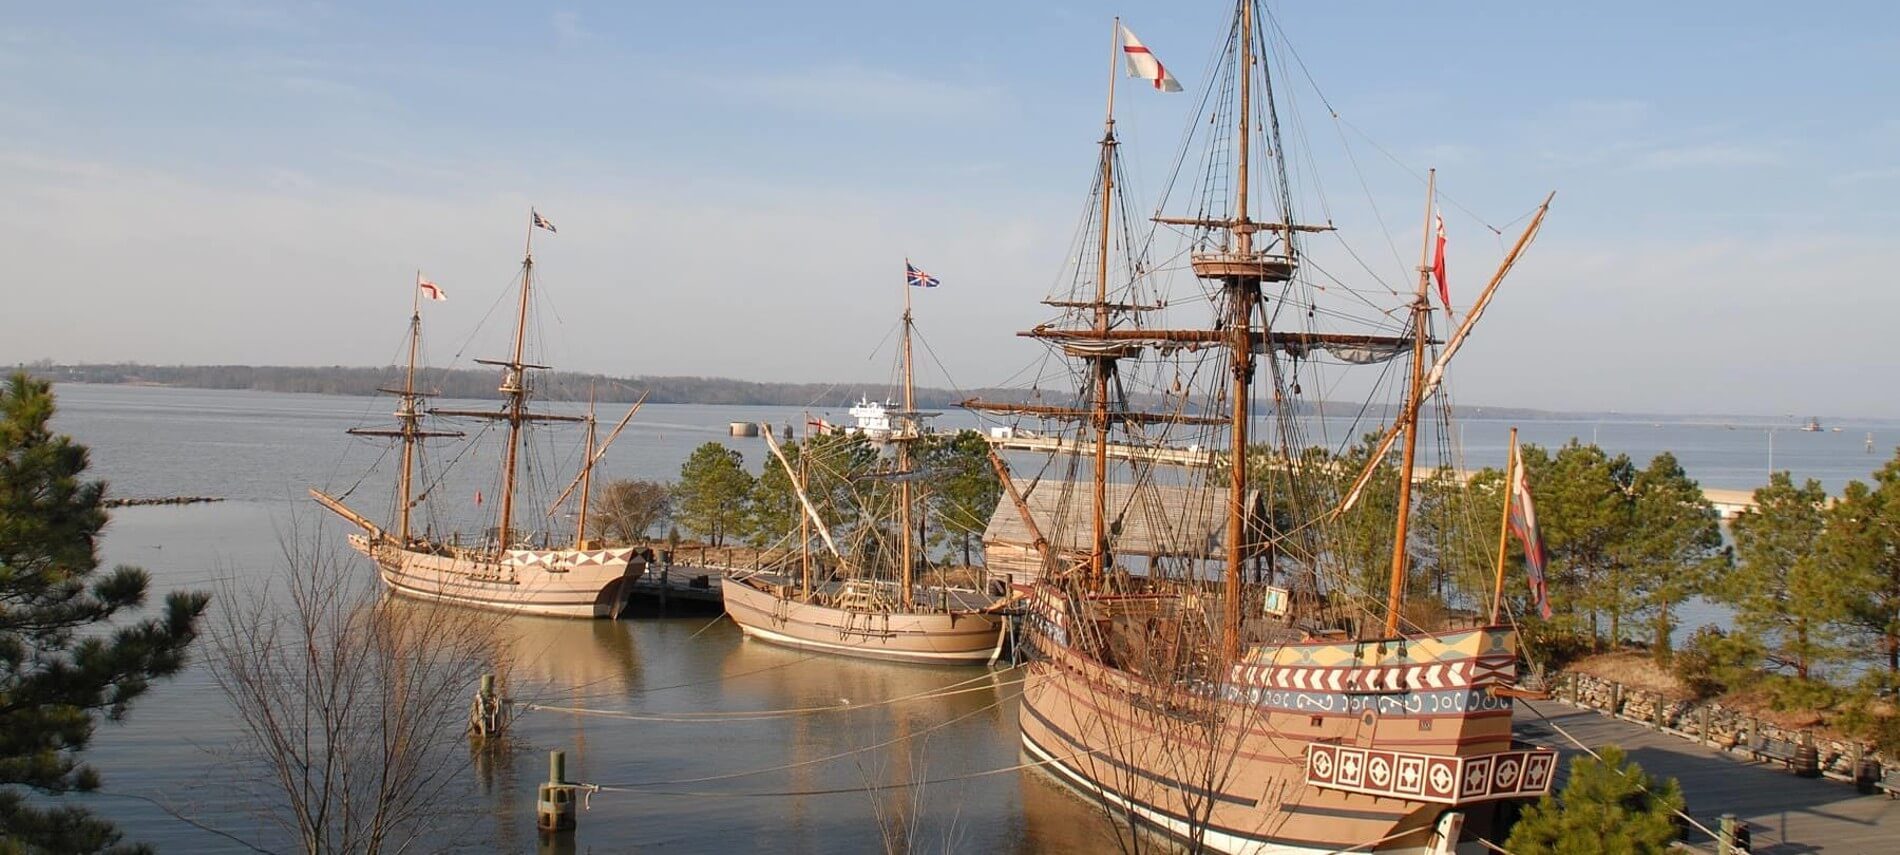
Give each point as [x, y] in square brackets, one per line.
[1438, 263]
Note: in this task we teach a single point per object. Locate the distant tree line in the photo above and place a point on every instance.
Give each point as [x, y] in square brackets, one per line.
[481, 384]
[478, 384]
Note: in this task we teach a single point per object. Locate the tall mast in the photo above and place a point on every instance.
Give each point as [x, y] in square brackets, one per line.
[1103, 364]
[905, 435]
[1504, 525]
[409, 417]
[515, 385]
[587, 473]
[804, 520]
[1242, 291]
[408, 429]
[1408, 417]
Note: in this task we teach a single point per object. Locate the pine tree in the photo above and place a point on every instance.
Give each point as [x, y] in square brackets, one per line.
[1673, 547]
[963, 486]
[1607, 807]
[1583, 509]
[1861, 548]
[1781, 588]
[710, 498]
[64, 663]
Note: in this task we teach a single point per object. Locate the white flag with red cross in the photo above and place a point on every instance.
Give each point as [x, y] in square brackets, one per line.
[1143, 64]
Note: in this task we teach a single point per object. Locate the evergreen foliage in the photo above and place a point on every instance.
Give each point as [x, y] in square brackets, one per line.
[963, 486]
[1674, 545]
[1583, 508]
[1861, 548]
[711, 497]
[832, 465]
[1781, 588]
[1607, 807]
[64, 660]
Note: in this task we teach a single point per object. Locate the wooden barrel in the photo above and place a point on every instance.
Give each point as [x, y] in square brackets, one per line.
[1867, 776]
[1807, 761]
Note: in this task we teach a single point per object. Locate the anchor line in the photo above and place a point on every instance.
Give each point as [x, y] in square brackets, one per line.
[957, 688]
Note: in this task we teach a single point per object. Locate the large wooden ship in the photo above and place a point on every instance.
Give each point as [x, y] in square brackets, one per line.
[1198, 663]
[514, 568]
[870, 602]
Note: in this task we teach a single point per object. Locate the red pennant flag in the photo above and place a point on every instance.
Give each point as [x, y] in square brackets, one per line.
[1438, 263]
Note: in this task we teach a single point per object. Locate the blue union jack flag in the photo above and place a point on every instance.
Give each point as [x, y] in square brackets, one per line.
[917, 278]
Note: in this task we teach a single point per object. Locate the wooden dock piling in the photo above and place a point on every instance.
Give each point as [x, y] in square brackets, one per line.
[488, 713]
[554, 801]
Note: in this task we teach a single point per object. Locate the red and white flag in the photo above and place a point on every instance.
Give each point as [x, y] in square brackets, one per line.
[431, 290]
[1438, 263]
[1142, 63]
[1523, 516]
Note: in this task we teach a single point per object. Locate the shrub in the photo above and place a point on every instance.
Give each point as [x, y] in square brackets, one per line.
[1607, 806]
[1714, 662]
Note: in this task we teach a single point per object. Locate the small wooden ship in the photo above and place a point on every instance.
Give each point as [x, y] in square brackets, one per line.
[515, 570]
[870, 602]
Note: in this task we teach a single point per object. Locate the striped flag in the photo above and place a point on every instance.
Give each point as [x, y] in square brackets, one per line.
[540, 222]
[1143, 64]
[917, 278]
[1524, 525]
[431, 290]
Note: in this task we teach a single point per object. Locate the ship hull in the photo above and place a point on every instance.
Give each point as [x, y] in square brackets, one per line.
[568, 583]
[943, 638]
[1237, 770]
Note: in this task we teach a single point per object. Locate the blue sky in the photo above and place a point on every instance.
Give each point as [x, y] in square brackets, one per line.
[737, 184]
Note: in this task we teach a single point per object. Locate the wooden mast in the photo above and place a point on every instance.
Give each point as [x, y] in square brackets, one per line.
[1241, 292]
[1104, 364]
[1504, 525]
[515, 386]
[409, 416]
[587, 474]
[804, 521]
[1421, 312]
[408, 429]
[905, 434]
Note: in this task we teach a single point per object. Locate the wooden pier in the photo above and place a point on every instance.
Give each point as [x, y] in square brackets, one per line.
[1786, 813]
[680, 583]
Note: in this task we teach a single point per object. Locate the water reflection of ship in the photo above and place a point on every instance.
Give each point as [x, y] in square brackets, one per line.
[554, 657]
[898, 753]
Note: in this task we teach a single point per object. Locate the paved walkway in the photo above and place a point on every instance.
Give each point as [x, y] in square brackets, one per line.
[1788, 814]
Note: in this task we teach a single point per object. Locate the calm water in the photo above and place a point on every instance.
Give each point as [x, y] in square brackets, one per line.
[260, 451]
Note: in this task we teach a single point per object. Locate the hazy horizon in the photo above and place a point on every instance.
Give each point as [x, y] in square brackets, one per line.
[874, 388]
[736, 188]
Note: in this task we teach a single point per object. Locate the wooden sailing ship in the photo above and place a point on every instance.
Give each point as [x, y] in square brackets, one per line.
[1286, 712]
[865, 606]
[515, 569]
